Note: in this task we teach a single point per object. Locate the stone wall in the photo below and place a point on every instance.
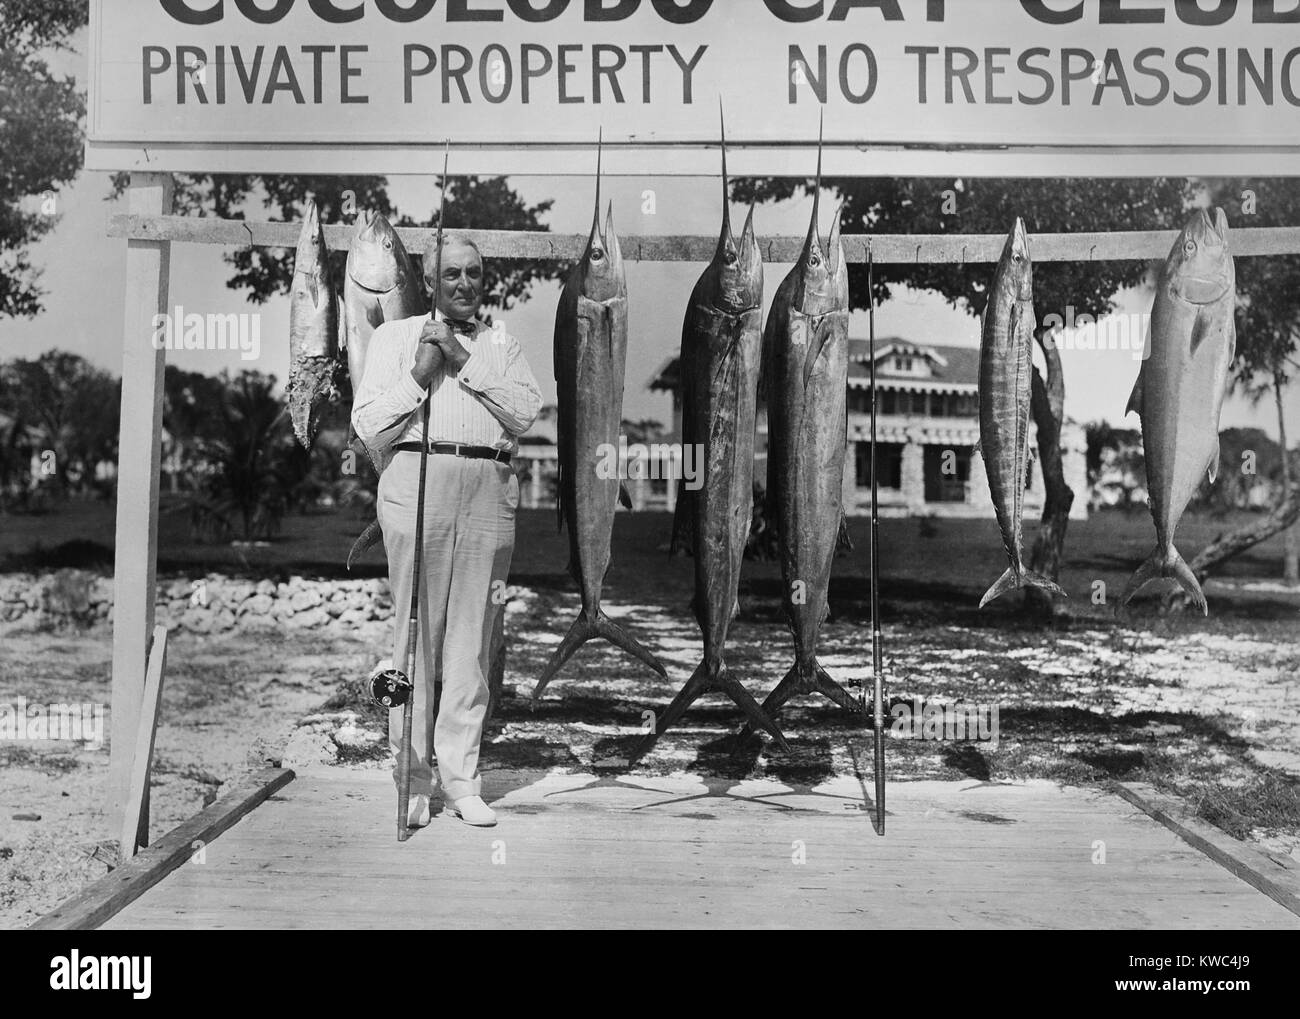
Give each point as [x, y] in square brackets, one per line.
[210, 604]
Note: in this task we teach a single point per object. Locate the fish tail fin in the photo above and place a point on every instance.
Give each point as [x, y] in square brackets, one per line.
[616, 635]
[368, 537]
[1029, 578]
[579, 633]
[1017, 577]
[1166, 563]
[584, 628]
[1009, 581]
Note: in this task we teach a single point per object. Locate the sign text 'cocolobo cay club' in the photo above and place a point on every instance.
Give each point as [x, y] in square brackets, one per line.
[517, 84]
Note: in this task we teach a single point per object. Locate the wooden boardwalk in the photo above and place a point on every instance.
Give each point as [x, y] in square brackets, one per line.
[688, 851]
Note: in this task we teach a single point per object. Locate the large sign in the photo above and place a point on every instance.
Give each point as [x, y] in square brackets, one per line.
[906, 86]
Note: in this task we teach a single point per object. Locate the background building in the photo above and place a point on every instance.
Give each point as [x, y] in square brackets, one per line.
[927, 433]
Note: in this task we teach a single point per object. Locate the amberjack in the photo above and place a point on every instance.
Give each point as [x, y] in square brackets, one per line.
[1181, 384]
[590, 355]
[1006, 371]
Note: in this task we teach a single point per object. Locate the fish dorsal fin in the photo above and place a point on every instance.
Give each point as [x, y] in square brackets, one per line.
[1213, 469]
[1135, 398]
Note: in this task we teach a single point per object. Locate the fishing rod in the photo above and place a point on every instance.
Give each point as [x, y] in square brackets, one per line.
[877, 661]
[413, 624]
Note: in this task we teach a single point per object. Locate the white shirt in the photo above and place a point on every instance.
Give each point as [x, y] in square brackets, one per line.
[491, 402]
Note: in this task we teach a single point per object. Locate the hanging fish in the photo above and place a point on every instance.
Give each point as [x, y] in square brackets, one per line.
[314, 366]
[1006, 368]
[1181, 385]
[805, 381]
[722, 339]
[590, 354]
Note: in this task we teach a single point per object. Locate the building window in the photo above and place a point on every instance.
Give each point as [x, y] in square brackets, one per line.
[889, 465]
[947, 473]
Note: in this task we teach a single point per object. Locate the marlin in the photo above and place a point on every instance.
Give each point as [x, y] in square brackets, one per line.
[722, 339]
[1006, 370]
[590, 354]
[314, 365]
[1181, 385]
[805, 382]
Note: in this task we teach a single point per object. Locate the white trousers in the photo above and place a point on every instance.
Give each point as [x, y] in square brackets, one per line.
[469, 537]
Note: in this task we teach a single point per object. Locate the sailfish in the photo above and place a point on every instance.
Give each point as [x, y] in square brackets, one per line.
[590, 353]
[722, 338]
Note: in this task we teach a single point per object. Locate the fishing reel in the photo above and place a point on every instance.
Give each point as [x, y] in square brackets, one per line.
[388, 687]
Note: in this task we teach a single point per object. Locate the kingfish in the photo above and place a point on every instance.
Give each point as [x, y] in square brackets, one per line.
[722, 339]
[1181, 385]
[590, 354]
[805, 382]
[1006, 369]
[314, 365]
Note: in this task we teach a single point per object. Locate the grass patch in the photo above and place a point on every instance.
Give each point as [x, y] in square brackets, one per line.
[1270, 801]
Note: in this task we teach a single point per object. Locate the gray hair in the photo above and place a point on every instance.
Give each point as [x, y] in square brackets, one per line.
[449, 240]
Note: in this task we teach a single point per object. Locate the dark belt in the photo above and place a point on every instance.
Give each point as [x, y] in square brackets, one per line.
[501, 456]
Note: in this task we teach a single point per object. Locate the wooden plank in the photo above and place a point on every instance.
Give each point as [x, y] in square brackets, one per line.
[135, 561]
[101, 900]
[1278, 882]
[142, 762]
[888, 249]
[575, 855]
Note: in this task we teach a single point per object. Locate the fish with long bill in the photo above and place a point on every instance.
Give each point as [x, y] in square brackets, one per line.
[590, 355]
[805, 382]
[1006, 371]
[722, 338]
[1180, 387]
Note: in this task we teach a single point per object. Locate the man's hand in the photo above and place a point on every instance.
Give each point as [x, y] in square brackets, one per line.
[429, 358]
[454, 352]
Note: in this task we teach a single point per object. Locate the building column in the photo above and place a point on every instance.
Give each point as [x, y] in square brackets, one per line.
[674, 475]
[1074, 465]
[534, 483]
[914, 474]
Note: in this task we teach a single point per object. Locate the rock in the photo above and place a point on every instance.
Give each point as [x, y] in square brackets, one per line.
[196, 621]
[224, 620]
[305, 598]
[358, 600]
[258, 605]
[282, 591]
[309, 748]
[335, 609]
[101, 590]
[311, 618]
[354, 617]
[265, 587]
[237, 592]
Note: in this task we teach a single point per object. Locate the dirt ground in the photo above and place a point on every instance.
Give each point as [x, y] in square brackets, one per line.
[1207, 708]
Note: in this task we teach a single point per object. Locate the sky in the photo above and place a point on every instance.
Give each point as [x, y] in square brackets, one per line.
[84, 276]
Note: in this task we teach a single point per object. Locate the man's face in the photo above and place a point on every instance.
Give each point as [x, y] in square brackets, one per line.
[460, 290]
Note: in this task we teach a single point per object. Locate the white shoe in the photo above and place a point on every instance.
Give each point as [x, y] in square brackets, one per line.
[417, 811]
[472, 810]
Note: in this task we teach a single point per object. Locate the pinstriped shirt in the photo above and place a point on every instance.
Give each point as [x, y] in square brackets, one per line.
[491, 402]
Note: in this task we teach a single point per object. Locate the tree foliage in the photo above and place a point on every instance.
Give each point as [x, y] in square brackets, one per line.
[40, 138]
[62, 404]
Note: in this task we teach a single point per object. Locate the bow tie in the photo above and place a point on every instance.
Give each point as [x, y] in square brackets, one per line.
[469, 328]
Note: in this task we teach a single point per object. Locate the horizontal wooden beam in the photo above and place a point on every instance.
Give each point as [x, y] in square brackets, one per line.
[112, 893]
[888, 249]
